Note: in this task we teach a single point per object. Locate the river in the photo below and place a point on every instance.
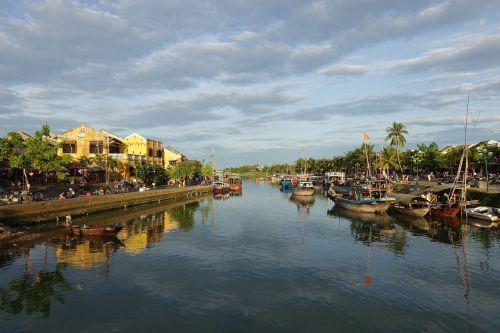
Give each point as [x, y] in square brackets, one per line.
[259, 262]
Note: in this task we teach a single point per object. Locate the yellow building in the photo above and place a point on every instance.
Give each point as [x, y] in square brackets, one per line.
[171, 157]
[85, 141]
[151, 149]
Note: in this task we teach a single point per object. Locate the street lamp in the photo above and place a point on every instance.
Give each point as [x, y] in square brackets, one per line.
[484, 153]
[416, 160]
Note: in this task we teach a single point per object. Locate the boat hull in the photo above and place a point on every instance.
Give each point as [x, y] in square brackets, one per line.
[445, 211]
[236, 187]
[223, 190]
[420, 212]
[363, 207]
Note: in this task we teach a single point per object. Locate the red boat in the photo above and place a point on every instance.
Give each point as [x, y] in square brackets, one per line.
[235, 183]
[93, 230]
[220, 188]
[445, 210]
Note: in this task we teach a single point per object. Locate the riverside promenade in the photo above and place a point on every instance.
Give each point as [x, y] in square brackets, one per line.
[55, 210]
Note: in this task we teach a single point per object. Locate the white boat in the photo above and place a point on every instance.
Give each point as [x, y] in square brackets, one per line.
[484, 213]
[304, 188]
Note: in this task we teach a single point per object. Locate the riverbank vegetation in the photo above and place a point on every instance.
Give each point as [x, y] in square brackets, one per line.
[389, 160]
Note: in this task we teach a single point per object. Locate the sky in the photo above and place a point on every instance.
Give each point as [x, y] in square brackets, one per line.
[256, 79]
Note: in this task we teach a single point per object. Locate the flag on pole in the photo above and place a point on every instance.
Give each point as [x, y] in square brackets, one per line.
[366, 137]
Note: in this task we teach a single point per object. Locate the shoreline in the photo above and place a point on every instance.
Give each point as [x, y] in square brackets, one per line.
[16, 215]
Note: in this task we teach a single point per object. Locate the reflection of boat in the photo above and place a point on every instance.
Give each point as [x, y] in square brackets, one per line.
[411, 222]
[365, 199]
[95, 230]
[303, 200]
[408, 204]
[304, 189]
[383, 220]
[483, 213]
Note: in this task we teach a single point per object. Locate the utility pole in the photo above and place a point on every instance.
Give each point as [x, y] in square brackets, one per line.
[212, 158]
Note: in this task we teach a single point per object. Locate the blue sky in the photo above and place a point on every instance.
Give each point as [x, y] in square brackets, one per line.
[255, 79]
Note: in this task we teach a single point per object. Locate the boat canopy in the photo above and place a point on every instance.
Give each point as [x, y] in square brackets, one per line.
[405, 199]
[434, 189]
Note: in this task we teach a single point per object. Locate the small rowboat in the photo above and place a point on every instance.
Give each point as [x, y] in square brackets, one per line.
[92, 230]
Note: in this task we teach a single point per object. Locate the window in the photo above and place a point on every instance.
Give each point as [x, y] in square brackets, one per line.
[150, 152]
[114, 149]
[69, 148]
[96, 147]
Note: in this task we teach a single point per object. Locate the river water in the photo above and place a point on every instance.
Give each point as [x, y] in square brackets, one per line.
[259, 262]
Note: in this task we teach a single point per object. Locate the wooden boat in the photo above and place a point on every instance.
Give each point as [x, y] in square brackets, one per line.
[219, 187]
[411, 205]
[483, 213]
[445, 210]
[303, 189]
[235, 183]
[93, 230]
[365, 199]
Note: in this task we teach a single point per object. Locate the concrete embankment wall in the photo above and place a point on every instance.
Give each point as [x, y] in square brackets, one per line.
[56, 209]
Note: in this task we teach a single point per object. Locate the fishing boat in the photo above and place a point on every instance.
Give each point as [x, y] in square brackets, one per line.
[365, 199]
[445, 209]
[235, 183]
[286, 182]
[304, 189]
[484, 213]
[408, 204]
[219, 187]
[94, 230]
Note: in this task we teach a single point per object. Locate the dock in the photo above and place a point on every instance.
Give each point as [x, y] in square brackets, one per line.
[55, 210]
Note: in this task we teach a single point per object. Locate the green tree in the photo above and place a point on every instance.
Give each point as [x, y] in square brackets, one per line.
[387, 160]
[396, 134]
[35, 153]
[430, 155]
[186, 170]
[207, 170]
[149, 173]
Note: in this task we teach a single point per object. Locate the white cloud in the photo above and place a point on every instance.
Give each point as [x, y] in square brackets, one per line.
[344, 69]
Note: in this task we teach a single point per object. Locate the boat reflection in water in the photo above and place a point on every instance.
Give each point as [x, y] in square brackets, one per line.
[304, 204]
[367, 227]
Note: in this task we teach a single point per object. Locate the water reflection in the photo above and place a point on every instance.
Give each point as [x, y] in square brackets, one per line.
[35, 289]
[303, 203]
[367, 227]
[86, 251]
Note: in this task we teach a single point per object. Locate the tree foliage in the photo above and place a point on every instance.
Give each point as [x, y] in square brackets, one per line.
[151, 173]
[186, 170]
[34, 153]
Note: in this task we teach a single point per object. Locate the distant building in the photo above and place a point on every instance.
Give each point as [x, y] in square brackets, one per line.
[171, 157]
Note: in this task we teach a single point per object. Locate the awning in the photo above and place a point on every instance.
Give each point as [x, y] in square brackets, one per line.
[434, 189]
[406, 198]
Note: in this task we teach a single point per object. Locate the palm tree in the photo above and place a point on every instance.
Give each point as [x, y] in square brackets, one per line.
[396, 134]
[387, 159]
